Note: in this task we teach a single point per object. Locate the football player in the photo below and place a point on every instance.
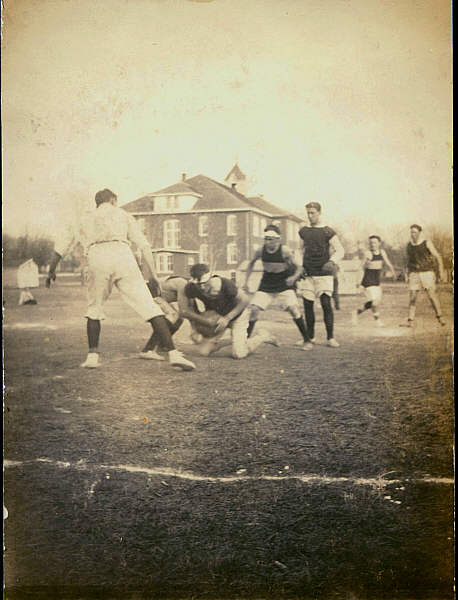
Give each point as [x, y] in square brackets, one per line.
[222, 296]
[322, 252]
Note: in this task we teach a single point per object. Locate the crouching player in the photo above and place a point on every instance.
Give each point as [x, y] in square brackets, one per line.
[373, 264]
[280, 273]
[222, 296]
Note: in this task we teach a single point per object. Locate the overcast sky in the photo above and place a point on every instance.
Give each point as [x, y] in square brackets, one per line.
[347, 102]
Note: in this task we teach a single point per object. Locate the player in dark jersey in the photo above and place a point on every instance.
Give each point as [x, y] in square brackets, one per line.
[280, 273]
[422, 257]
[374, 259]
[229, 302]
[322, 252]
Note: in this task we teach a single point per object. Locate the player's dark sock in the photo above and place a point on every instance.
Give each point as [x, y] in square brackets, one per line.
[335, 294]
[151, 343]
[250, 328]
[328, 315]
[173, 327]
[161, 327]
[309, 318]
[301, 326]
[367, 306]
[93, 333]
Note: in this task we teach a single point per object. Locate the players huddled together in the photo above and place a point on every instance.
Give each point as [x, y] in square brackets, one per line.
[215, 305]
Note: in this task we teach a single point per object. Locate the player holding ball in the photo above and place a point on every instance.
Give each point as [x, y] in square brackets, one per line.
[225, 306]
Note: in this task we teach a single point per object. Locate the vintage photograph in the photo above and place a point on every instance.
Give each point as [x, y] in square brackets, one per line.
[227, 300]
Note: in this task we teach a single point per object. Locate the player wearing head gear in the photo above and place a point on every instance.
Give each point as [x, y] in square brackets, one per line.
[422, 258]
[280, 273]
[229, 302]
[322, 252]
[374, 259]
[106, 234]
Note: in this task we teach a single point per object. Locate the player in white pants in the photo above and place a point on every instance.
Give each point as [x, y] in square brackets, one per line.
[106, 234]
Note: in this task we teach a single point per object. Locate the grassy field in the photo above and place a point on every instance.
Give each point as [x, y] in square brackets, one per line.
[291, 474]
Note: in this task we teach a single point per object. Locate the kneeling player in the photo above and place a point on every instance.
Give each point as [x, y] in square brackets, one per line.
[373, 264]
[222, 296]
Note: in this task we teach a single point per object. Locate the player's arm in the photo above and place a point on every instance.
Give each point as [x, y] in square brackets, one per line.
[63, 244]
[291, 264]
[136, 236]
[249, 269]
[242, 302]
[186, 307]
[388, 263]
[337, 250]
[438, 257]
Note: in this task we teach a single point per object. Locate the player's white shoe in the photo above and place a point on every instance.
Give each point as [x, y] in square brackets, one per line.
[268, 337]
[354, 317]
[150, 355]
[92, 361]
[332, 343]
[300, 343]
[307, 346]
[177, 359]
[441, 321]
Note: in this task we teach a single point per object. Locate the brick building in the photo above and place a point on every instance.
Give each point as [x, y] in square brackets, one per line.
[201, 220]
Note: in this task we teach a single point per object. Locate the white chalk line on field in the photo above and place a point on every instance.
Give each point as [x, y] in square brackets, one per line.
[375, 482]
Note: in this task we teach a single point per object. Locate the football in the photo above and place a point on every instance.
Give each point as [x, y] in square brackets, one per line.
[207, 330]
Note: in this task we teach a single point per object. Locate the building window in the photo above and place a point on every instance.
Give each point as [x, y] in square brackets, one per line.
[256, 226]
[204, 254]
[232, 254]
[203, 225]
[172, 234]
[164, 262]
[172, 202]
[231, 225]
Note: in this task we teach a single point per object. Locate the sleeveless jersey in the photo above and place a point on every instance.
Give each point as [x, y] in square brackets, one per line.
[274, 281]
[222, 303]
[316, 248]
[372, 276]
[419, 258]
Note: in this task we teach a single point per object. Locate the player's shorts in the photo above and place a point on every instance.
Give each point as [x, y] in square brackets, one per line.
[425, 280]
[313, 286]
[373, 293]
[113, 263]
[286, 299]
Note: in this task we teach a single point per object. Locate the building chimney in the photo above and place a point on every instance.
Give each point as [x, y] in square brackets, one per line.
[183, 177]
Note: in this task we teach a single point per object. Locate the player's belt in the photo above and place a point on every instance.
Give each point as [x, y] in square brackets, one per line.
[107, 242]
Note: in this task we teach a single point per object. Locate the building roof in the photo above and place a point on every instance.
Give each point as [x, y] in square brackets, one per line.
[236, 172]
[210, 195]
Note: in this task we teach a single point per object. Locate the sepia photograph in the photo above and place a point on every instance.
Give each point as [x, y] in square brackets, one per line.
[228, 294]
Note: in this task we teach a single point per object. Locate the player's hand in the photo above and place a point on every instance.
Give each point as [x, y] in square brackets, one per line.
[291, 280]
[154, 287]
[245, 288]
[51, 277]
[221, 324]
[330, 268]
